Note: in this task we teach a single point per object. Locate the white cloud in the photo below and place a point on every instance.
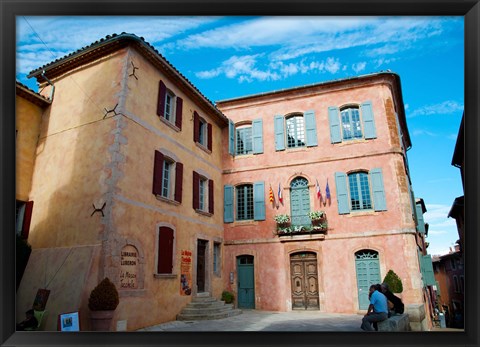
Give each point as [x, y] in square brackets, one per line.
[446, 107]
[255, 67]
[358, 67]
[50, 38]
[422, 132]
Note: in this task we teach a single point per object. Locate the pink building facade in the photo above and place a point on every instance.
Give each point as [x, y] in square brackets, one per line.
[349, 135]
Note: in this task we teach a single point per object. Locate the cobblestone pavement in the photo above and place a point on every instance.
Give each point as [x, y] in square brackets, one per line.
[253, 320]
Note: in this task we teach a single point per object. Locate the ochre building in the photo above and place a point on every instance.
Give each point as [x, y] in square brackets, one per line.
[127, 171]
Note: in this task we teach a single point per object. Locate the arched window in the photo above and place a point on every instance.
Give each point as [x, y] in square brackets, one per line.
[351, 125]
[244, 195]
[295, 131]
[244, 144]
[360, 198]
[299, 201]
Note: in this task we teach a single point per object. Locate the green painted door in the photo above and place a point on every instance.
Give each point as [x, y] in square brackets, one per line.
[300, 201]
[246, 282]
[368, 273]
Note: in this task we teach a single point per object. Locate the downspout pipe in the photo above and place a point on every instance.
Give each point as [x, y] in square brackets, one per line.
[49, 82]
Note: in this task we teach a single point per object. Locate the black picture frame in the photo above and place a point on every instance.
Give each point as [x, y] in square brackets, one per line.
[471, 12]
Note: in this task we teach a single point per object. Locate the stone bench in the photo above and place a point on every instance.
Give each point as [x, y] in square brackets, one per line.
[397, 322]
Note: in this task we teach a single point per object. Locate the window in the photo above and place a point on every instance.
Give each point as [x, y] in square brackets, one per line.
[462, 284]
[351, 126]
[169, 106]
[216, 258]
[203, 194]
[202, 131]
[456, 285]
[244, 140]
[165, 250]
[167, 169]
[167, 178]
[244, 195]
[203, 190]
[452, 263]
[351, 123]
[295, 130]
[249, 202]
[360, 191]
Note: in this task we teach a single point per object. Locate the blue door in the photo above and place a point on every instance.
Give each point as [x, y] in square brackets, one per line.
[368, 273]
[246, 282]
[300, 201]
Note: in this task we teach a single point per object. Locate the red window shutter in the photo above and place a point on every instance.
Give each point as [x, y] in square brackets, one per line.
[196, 191]
[210, 196]
[162, 91]
[178, 181]
[27, 217]
[157, 173]
[165, 250]
[196, 126]
[209, 137]
[178, 115]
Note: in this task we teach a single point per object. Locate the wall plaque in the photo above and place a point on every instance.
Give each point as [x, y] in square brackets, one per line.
[129, 267]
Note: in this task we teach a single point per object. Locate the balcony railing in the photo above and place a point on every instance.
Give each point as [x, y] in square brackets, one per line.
[318, 226]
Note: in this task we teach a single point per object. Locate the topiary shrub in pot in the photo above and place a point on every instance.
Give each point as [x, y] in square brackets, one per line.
[393, 281]
[102, 303]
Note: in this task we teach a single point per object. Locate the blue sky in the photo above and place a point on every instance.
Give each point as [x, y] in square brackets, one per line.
[227, 57]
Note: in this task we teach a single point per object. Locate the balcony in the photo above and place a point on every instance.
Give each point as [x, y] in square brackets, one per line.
[318, 225]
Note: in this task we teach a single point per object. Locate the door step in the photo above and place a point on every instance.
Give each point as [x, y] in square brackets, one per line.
[205, 307]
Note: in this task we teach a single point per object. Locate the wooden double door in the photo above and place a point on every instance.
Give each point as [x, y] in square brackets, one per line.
[304, 279]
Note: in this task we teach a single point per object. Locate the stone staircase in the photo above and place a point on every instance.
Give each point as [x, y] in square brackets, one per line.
[204, 307]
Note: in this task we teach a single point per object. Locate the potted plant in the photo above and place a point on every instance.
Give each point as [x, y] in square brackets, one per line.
[228, 297]
[393, 281]
[282, 220]
[102, 303]
[318, 217]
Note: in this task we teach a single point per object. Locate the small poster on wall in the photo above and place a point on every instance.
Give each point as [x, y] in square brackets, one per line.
[41, 299]
[69, 321]
[186, 273]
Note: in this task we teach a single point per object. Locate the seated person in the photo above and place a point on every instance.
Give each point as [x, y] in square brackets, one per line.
[397, 303]
[377, 310]
[29, 322]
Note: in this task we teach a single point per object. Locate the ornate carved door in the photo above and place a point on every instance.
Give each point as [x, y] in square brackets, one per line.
[304, 275]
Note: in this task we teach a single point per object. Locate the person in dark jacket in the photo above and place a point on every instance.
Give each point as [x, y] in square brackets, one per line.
[398, 306]
[29, 322]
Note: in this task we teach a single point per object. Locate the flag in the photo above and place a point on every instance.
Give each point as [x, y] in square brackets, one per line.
[271, 197]
[327, 193]
[280, 197]
[319, 192]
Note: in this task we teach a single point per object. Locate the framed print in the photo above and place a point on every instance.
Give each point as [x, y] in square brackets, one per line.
[69, 321]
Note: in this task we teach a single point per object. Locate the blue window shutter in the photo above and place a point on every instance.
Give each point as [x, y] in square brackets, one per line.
[279, 126]
[311, 128]
[379, 201]
[428, 274]
[342, 192]
[334, 120]
[257, 136]
[420, 221]
[259, 201]
[228, 204]
[368, 121]
[231, 137]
